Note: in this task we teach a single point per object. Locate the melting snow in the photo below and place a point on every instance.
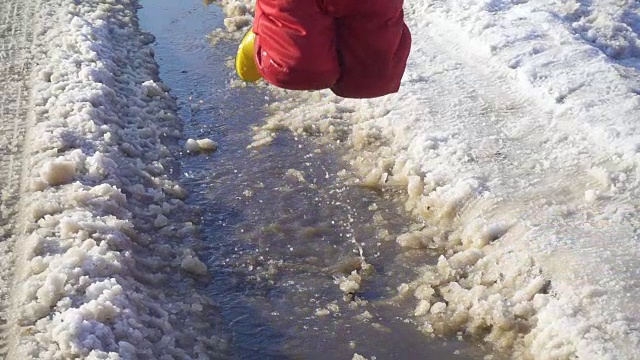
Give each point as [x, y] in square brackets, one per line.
[105, 231]
[515, 136]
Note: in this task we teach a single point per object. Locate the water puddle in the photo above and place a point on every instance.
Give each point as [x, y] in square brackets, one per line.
[280, 223]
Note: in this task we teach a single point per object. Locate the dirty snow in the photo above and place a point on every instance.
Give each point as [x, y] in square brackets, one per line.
[200, 145]
[105, 261]
[515, 138]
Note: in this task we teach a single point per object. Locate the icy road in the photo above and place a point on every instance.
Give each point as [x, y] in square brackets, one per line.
[515, 139]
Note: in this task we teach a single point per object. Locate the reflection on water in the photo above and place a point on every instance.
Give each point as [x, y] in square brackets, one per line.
[281, 226]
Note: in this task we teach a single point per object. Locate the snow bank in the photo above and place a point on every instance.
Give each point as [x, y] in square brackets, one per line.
[580, 57]
[105, 266]
[515, 138]
[238, 19]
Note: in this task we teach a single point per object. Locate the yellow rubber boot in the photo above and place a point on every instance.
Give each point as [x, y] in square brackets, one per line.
[245, 60]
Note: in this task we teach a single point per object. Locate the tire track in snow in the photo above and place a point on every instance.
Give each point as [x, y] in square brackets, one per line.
[16, 29]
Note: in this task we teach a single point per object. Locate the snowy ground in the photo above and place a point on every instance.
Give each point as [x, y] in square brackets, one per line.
[515, 134]
[103, 264]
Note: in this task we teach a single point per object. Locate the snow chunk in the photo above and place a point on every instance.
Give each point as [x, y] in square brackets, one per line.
[192, 145]
[207, 145]
[527, 293]
[351, 283]
[465, 259]
[422, 308]
[151, 88]
[161, 221]
[193, 265]
[235, 8]
[237, 22]
[418, 239]
[201, 145]
[438, 308]
[296, 174]
[51, 290]
[58, 172]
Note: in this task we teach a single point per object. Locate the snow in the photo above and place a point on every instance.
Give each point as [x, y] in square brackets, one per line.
[104, 230]
[200, 145]
[515, 137]
[58, 172]
[207, 144]
[193, 265]
[350, 284]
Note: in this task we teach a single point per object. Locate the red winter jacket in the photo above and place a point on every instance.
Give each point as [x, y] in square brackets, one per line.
[358, 48]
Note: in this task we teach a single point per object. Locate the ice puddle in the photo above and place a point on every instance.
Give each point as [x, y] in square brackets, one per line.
[304, 261]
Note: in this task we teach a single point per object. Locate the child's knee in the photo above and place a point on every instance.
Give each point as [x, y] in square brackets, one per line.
[373, 54]
[295, 74]
[295, 45]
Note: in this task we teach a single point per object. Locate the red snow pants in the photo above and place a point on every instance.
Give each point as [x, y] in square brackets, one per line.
[357, 48]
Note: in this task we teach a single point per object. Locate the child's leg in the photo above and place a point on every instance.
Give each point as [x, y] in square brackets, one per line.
[373, 45]
[295, 44]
